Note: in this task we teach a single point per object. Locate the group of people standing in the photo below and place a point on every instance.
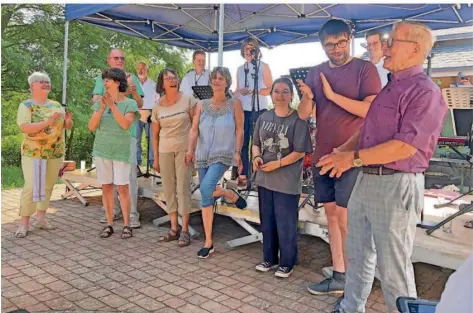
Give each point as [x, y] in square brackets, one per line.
[377, 125]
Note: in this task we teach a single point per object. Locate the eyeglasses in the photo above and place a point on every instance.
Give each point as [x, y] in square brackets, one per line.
[283, 93]
[44, 82]
[118, 58]
[391, 41]
[248, 48]
[340, 44]
[170, 78]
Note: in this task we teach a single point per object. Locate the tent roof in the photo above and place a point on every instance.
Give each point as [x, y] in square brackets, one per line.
[195, 26]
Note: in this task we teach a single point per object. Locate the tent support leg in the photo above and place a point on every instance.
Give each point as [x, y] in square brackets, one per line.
[64, 70]
[220, 34]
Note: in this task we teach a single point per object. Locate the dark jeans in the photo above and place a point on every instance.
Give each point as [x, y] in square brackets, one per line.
[246, 139]
[279, 216]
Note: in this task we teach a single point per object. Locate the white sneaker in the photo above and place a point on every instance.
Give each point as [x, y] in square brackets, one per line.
[135, 220]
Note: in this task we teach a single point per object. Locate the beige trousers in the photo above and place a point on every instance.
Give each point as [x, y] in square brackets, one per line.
[176, 179]
[27, 206]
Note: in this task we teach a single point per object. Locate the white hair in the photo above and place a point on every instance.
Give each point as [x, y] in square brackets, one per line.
[38, 77]
[419, 33]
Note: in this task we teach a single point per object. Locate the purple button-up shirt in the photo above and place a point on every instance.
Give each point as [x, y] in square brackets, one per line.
[410, 108]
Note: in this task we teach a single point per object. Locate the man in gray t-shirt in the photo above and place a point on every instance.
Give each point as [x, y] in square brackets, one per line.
[282, 135]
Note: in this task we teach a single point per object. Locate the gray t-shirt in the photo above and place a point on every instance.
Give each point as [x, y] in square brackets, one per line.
[282, 135]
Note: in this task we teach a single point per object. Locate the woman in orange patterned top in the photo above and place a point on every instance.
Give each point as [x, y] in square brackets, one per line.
[42, 122]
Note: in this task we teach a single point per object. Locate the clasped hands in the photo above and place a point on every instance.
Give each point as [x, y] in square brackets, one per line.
[258, 164]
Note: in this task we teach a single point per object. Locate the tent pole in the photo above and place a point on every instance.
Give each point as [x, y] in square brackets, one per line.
[220, 34]
[64, 70]
[210, 59]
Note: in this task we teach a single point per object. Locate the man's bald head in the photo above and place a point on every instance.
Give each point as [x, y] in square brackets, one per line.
[116, 59]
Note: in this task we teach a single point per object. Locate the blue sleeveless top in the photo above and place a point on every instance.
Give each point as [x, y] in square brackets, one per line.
[216, 142]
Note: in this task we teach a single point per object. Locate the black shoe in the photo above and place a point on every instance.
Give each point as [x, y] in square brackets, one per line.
[205, 252]
[265, 266]
[327, 286]
[283, 272]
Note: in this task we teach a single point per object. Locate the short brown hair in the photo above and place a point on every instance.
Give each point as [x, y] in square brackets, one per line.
[160, 81]
[225, 73]
[196, 53]
[375, 32]
[249, 41]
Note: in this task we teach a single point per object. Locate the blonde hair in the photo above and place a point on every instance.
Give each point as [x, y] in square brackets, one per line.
[38, 77]
[419, 33]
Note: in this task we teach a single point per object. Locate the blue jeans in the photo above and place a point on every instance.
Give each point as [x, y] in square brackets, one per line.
[139, 133]
[209, 178]
[279, 216]
[248, 130]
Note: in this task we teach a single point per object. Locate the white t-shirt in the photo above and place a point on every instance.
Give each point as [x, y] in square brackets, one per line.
[248, 78]
[193, 79]
[149, 89]
[382, 72]
[457, 296]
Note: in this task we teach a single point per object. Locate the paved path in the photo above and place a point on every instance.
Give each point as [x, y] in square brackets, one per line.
[72, 269]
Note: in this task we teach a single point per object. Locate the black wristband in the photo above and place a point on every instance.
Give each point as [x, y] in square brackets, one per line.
[258, 156]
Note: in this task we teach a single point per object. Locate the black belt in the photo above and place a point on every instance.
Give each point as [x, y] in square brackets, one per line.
[380, 170]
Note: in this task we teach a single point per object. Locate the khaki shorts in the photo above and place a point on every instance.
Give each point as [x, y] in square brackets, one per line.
[112, 172]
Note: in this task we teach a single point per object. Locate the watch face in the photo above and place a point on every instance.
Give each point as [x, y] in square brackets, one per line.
[357, 163]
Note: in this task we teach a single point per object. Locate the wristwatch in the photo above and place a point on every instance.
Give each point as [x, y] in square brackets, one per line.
[357, 162]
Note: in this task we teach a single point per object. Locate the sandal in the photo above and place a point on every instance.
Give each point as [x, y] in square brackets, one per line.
[44, 224]
[241, 202]
[107, 231]
[127, 232]
[21, 231]
[469, 224]
[184, 239]
[172, 235]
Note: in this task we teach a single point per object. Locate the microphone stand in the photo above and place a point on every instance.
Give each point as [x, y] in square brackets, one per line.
[147, 174]
[254, 107]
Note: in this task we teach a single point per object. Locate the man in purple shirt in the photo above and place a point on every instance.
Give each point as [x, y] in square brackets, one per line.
[393, 149]
[342, 90]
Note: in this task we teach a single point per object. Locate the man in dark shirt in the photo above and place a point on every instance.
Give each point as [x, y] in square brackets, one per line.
[342, 89]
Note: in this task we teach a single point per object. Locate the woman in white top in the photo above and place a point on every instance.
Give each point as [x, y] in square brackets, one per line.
[245, 86]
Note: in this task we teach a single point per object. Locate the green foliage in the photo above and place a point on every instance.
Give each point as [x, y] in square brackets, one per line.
[33, 40]
[12, 177]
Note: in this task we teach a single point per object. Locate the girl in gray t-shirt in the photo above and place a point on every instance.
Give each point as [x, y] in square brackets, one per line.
[280, 142]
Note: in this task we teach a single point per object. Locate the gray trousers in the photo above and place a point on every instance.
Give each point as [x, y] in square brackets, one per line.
[133, 185]
[382, 216]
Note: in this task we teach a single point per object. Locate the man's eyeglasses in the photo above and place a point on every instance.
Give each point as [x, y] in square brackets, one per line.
[391, 41]
[118, 58]
[340, 44]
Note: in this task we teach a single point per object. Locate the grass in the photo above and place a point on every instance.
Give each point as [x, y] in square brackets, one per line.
[12, 177]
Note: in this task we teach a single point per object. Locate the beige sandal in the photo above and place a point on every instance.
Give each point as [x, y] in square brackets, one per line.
[21, 231]
[44, 224]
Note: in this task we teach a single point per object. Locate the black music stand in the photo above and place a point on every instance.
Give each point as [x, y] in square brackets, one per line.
[147, 174]
[299, 73]
[203, 92]
[206, 92]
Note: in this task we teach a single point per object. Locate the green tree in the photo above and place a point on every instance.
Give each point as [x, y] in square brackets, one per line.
[33, 40]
